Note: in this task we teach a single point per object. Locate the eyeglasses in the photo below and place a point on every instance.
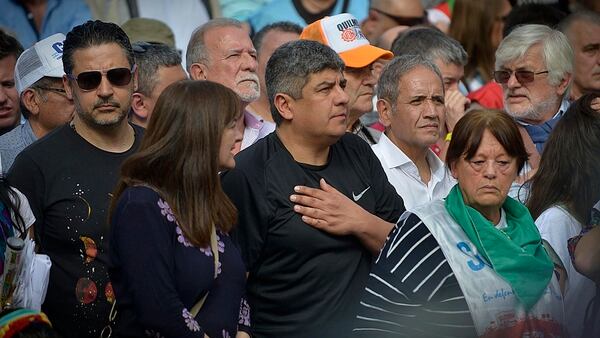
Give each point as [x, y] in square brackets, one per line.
[523, 76]
[92, 79]
[59, 91]
[404, 20]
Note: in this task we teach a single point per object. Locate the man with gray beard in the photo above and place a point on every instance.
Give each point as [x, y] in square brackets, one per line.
[534, 66]
[221, 51]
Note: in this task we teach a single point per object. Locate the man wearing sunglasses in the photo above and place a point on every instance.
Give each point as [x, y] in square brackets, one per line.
[68, 176]
[534, 66]
[44, 102]
[385, 14]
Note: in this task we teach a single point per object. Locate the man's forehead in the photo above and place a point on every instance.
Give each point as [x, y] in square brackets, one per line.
[227, 38]
[532, 59]
[325, 75]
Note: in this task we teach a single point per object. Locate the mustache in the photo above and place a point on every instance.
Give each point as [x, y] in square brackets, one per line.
[246, 77]
[107, 102]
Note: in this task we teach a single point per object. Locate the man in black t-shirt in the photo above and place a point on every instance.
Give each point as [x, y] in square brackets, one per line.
[304, 281]
[68, 176]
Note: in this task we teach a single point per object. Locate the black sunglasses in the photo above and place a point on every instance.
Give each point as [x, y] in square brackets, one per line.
[523, 76]
[404, 20]
[92, 79]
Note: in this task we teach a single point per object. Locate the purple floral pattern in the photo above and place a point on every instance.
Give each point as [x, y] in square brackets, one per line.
[166, 211]
[226, 334]
[191, 323]
[244, 313]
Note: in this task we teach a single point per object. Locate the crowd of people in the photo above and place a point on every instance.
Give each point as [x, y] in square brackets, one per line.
[295, 168]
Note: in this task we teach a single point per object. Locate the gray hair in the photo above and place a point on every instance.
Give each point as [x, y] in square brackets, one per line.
[581, 15]
[196, 49]
[431, 44]
[44, 82]
[387, 87]
[557, 52]
[149, 57]
[280, 26]
[290, 66]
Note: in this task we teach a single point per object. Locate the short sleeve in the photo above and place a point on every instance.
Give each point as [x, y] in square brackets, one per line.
[250, 231]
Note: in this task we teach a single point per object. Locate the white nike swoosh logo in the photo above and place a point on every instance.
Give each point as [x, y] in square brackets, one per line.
[357, 197]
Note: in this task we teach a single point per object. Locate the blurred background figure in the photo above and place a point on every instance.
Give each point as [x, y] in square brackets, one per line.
[158, 66]
[478, 26]
[266, 41]
[44, 102]
[34, 20]
[385, 14]
[563, 193]
[583, 31]
[149, 30]
[305, 12]
[10, 50]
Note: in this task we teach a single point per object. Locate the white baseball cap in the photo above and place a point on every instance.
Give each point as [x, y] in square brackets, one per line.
[42, 59]
[342, 33]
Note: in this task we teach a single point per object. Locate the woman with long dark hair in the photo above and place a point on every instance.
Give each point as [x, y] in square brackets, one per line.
[563, 193]
[175, 271]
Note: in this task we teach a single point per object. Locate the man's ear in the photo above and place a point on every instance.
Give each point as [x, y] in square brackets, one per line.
[67, 86]
[31, 101]
[135, 79]
[138, 106]
[564, 83]
[198, 71]
[384, 109]
[285, 105]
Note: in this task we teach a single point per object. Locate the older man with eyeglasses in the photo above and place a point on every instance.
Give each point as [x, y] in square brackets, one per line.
[68, 176]
[534, 67]
[44, 103]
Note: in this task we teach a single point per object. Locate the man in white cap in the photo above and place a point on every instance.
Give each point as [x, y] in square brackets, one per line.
[342, 33]
[44, 103]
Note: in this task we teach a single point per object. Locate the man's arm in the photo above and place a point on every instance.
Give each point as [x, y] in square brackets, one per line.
[331, 211]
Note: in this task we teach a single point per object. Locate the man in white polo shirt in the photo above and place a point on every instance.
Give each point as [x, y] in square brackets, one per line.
[411, 107]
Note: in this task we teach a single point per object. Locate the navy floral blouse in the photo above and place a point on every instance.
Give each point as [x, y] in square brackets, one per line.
[158, 275]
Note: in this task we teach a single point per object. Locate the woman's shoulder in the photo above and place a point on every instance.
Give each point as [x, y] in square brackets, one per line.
[556, 214]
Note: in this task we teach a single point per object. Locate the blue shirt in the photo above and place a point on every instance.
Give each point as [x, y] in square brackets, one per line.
[60, 17]
[284, 10]
[13, 142]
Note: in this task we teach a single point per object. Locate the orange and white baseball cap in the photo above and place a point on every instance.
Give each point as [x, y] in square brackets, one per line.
[342, 33]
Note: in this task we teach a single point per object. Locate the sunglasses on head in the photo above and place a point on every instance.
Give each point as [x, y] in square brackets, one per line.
[523, 76]
[404, 20]
[92, 79]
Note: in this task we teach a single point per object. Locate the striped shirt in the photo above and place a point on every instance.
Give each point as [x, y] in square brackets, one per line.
[411, 290]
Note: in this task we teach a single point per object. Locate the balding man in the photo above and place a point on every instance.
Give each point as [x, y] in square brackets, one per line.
[583, 31]
[385, 14]
[221, 51]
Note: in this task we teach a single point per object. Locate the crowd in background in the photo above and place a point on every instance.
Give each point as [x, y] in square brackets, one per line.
[299, 168]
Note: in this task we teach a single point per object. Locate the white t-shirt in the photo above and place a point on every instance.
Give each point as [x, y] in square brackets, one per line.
[403, 174]
[556, 226]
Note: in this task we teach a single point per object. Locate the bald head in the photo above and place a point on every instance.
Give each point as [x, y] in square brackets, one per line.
[385, 14]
